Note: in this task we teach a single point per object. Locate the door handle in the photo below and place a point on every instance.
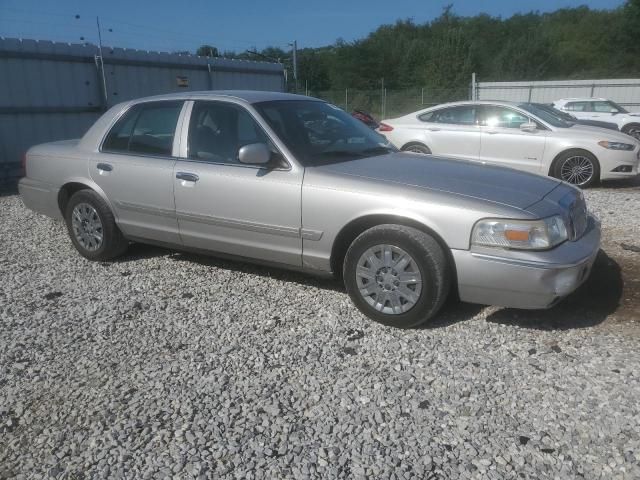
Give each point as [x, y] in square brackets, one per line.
[434, 129]
[189, 177]
[491, 133]
[104, 167]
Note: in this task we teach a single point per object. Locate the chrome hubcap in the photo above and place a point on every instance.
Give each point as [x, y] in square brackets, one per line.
[87, 226]
[577, 170]
[389, 279]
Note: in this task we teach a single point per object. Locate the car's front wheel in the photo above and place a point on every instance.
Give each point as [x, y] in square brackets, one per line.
[632, 129]
[397, 275]
[577, 167]
[417, 148]
[92, 227]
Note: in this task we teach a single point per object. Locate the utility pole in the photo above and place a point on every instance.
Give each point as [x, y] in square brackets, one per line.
[295, 64]
[104, 80]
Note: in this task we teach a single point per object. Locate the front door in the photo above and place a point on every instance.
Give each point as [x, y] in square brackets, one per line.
[222, 205]
[504, 144]
[134, 168]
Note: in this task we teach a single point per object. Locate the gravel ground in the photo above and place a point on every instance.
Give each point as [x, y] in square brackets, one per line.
[166, 364]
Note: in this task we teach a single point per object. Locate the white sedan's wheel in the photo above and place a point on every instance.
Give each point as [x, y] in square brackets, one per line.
[577, 167]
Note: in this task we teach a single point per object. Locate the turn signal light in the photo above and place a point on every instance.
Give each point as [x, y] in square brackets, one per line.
[517, 235]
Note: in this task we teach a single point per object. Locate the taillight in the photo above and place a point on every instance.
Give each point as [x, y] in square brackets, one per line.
[23, 164]
[385, 128]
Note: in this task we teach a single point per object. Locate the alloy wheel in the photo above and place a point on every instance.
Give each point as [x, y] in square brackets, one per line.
[577, 170]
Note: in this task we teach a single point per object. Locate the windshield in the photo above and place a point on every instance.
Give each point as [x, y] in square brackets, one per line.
[545, 116]
[318, 132]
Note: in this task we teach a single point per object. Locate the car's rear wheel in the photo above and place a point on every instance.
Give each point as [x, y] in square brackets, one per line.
[632, 129]
[92, 227]
[397, 275]
[577, 167]
[417, 148]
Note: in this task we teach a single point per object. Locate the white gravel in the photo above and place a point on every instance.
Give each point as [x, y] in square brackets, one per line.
[175, 365]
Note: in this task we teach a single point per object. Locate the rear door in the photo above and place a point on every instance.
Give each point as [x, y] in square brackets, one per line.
[453, 131]
[134, 168]
[225, 206]
[504, 144]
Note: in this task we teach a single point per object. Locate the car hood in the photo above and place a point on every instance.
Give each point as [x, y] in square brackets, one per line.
[591, 132]
[494, 184]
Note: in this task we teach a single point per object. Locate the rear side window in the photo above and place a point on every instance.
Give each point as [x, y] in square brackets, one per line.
[147, 128]
[577, 106]
[461, 115]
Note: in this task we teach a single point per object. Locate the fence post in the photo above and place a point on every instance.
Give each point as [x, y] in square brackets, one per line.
[346, 99]
[474, 93]
[422, 97]
[530, 91]
[384, 103]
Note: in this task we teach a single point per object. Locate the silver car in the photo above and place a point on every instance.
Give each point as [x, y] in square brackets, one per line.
[298, 183]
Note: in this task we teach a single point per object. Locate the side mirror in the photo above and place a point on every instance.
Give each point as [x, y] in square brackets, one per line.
[528, 127]
[254, 154]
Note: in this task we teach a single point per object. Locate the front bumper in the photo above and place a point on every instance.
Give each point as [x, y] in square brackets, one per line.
[528, 280]
[613, 160]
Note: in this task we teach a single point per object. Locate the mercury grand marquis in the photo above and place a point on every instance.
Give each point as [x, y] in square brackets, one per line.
[298, 183]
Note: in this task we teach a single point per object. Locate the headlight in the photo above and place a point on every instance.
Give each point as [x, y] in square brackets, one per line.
[616, 145]
[519, 234]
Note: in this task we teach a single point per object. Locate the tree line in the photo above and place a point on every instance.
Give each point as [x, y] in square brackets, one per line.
[441, 54]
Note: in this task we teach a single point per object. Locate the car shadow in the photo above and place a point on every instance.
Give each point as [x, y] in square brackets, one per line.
[589, 305]
[619, 184]
[138, 251]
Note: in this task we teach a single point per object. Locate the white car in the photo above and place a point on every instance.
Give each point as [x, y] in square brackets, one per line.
[601, 109]
[518, 136]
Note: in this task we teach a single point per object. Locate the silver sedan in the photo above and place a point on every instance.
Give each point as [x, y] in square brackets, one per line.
[298, 183]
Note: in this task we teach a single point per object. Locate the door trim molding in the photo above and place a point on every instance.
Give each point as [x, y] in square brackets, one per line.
[240, 224]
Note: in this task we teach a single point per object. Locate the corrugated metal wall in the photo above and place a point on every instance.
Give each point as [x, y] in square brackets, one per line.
[625, 92]
[54, 91]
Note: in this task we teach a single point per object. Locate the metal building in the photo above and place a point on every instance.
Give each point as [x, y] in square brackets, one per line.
[625, 92]
[53, 91]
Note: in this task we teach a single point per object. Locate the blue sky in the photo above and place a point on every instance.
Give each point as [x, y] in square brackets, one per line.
[239, 24]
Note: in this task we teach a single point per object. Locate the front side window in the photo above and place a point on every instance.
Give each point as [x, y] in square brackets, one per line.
[460, 115]
[318, 132]
[606, 107]
[147, 128]
[218, 130]
[501, 117]
[577, 106]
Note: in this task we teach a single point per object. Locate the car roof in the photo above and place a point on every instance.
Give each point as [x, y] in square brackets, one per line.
[248, 96]
[582, 99]
[478, 102]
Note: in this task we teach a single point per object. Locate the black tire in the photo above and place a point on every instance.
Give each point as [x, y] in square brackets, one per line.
[113, 242]
[633, 129]
[416, 148]
[562, 162]
[429, 258]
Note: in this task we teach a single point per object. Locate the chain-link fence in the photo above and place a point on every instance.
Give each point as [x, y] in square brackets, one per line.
[387, 103]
